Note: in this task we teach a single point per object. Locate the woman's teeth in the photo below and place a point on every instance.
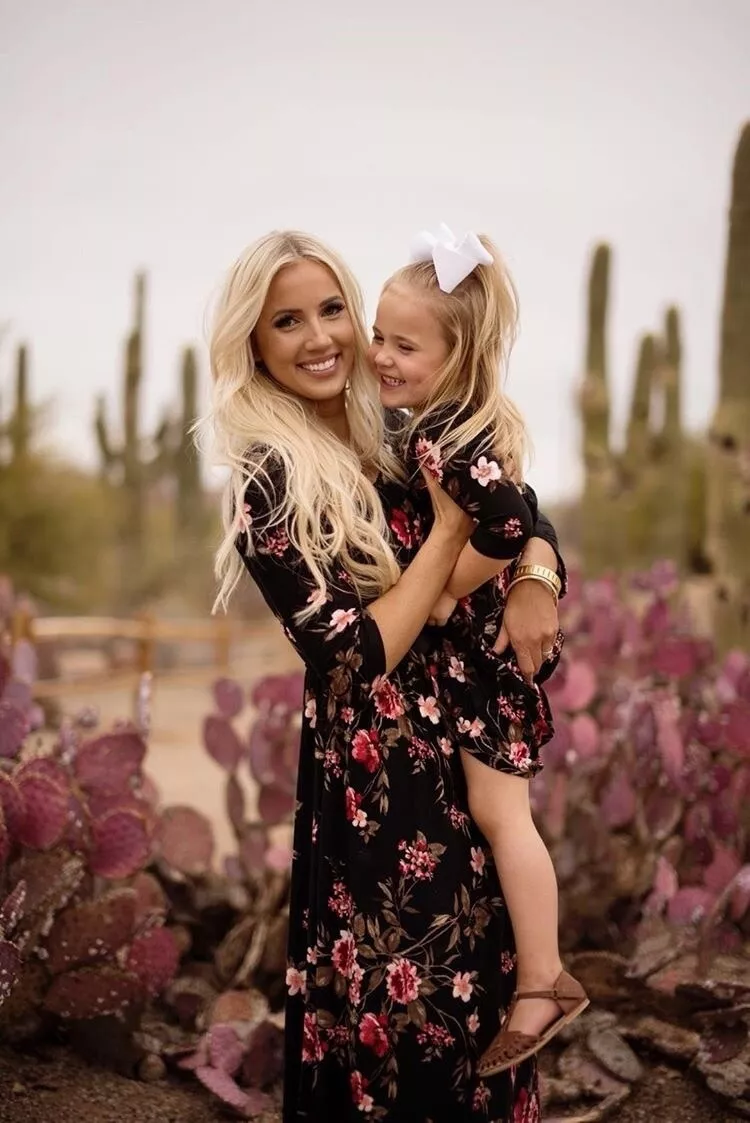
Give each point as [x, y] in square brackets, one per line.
[320, 368]
[392, 382]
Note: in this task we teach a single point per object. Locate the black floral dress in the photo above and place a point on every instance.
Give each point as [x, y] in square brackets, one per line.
[401, 955]
[495, 714]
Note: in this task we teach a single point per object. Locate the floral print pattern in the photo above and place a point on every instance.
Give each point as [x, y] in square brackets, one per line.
[395, 981]
[495, 714]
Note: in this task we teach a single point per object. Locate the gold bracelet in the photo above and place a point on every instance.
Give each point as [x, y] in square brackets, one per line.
[542, 572]
[535, 577]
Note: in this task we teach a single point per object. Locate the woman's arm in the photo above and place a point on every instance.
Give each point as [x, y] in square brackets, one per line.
[344, 635]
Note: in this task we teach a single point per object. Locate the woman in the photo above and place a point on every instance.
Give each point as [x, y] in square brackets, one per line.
[396, 918]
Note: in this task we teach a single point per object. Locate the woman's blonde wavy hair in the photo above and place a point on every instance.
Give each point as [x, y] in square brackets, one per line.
[480, 322]
[329, 508]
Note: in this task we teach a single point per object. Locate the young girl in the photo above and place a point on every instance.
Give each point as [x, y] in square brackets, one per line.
[443, 332]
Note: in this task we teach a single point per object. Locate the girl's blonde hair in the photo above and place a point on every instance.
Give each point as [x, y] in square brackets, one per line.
[480, 321]
[329, 507]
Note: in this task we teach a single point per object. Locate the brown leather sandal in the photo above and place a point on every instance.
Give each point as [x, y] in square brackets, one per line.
[511, 1047]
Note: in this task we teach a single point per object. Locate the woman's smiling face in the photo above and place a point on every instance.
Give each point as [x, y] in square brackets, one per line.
[304, 336]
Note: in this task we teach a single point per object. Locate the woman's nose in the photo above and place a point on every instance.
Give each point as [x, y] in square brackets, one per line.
[318, 336]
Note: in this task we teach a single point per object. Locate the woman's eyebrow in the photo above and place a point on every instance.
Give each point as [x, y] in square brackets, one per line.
[299, 311]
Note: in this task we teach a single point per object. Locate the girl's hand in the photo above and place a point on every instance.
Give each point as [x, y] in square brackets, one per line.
[530, 626]
[443, 610]
[449, 518]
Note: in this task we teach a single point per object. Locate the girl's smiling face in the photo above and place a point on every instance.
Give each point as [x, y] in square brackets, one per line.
[408, 349]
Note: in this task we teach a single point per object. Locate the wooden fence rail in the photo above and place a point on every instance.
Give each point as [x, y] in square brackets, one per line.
[146, 631]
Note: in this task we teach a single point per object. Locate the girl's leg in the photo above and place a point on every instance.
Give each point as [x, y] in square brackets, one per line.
[499, 804]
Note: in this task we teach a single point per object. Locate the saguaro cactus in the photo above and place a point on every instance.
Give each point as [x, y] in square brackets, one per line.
[640, 428]
[20, 423]
[187, 464]
[600, 540]
[729, 437]
[123, 465]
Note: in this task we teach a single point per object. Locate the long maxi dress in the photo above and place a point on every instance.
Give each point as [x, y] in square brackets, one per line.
[400, 952]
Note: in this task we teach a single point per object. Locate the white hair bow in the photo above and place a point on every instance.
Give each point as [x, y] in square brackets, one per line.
[453, 260]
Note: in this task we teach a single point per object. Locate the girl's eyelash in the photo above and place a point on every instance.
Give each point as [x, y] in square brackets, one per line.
[334, 309]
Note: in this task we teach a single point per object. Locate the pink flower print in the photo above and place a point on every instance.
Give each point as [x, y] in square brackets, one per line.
[526, 1107]
[478, 859]
[314, 832]
[456, 669]
[244, 519]
[436, 1037]
[354, 813]
[360, 1099]
[344, 953]
[463, 987]
[428, 707]
[428, 455]
[317, 598]
[481, 1097]
[312, 1046]
[372, 1033]
[355, 985]
[347, 714]
[472, 1022]
[458, 818]
[295, 981]
[520, 755]
[419, 750]
[417, 861]
[388, 701]
[485, 471]
[332, 762]
[401, 527]
[341, 618]
[312, 956]
[276, 543]
[366, 749]
[402, 981]
[446, 748]
[509, 710]
[513, 528]
[340, 901]
[311, 712]
[473, 728]
[353, 800]
[507, 962]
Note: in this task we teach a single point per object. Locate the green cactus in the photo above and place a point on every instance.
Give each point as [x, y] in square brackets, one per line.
[187, 465]
[600, 540]
[20, 423]
[728, 540]
[671, 380]
[640, 429]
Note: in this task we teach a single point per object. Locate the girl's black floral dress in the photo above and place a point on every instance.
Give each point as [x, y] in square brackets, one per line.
[400, 955]
[495, 714]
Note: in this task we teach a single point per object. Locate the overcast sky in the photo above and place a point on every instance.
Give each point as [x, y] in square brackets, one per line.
[167, 134]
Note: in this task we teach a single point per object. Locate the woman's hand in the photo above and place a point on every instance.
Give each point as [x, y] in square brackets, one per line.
[530, 626]
[449, 518]
[442, 610]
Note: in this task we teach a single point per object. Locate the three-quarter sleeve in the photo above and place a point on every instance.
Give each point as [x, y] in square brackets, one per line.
[339, 641]
[475, 479]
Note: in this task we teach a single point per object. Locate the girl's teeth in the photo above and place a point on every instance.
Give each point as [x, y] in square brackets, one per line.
[320, 368]
[392, 381]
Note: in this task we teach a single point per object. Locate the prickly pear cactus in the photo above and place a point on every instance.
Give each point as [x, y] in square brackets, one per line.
[74, 818]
